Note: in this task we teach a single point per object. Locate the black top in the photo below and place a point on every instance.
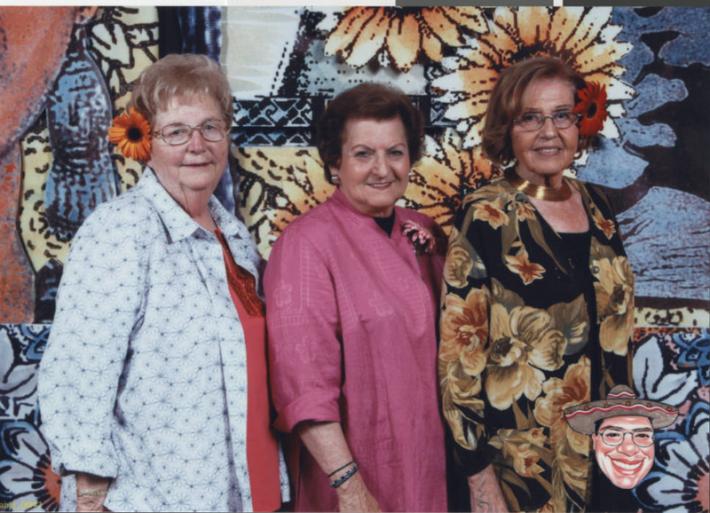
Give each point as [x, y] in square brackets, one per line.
[575, 248]
[386, 223]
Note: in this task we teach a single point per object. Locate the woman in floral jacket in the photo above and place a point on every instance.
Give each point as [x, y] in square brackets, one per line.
[538, 302]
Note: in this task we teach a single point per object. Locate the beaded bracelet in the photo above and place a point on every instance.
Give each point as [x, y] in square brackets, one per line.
[350, 473]
[341, 467]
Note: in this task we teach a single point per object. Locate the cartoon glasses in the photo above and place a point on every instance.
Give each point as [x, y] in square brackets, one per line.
[614, 437]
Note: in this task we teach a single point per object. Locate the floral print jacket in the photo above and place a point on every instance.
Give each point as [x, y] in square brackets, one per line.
[525, 334]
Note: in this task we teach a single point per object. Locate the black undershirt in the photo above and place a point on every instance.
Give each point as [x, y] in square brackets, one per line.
[575, 248]
[386, 223]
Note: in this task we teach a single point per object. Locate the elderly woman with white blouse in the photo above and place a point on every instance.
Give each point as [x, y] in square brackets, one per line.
[153, 386]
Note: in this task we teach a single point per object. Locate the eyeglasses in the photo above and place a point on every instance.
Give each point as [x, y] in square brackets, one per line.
[179, 133]
[530, 121]
[613, 437]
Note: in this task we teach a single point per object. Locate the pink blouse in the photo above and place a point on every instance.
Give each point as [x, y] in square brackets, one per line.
[352, 338]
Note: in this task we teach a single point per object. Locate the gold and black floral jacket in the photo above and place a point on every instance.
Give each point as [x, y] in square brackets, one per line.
[525, 333]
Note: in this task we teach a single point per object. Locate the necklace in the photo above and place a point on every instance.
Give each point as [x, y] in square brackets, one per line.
[540, 192]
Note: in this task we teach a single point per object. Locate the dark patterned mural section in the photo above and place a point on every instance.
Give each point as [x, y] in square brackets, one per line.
[72, 70]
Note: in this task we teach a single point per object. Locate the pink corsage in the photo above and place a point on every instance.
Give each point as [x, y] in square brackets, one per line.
[421, 238]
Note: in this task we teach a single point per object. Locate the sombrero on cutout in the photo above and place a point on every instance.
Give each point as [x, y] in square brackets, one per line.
[621, 400]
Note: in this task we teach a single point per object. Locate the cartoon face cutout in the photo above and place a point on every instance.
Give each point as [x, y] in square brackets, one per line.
[624, 449]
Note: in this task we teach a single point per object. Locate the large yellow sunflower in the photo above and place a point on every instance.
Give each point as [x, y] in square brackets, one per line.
[277, 185]
[403, 33]
[583, 37]
[441, 176]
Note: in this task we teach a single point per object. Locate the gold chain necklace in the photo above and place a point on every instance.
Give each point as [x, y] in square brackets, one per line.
[540, 192]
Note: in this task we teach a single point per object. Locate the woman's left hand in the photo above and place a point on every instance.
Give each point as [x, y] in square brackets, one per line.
[353, 495]
[91, 492]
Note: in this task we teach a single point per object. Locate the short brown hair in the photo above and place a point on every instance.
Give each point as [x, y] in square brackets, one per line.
[505, 103]
[181, 75]
[367, 101]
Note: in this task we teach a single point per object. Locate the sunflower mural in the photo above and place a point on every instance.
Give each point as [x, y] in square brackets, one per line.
[585, 38]
[290, 180]
[400, 35]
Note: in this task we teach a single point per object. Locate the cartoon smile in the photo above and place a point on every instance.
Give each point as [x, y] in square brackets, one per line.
[627, 467]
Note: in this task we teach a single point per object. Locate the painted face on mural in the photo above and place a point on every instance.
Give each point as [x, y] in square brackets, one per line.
[624, 449]
[374, 164]
[548, 150]
[32, 45]
[196, 165]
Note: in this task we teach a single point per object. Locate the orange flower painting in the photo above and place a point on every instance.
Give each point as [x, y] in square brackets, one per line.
[438, 180]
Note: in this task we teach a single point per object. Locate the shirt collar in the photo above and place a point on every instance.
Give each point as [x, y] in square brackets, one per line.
[178, 223]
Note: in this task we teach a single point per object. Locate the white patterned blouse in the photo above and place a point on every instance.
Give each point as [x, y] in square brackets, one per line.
[144, 377]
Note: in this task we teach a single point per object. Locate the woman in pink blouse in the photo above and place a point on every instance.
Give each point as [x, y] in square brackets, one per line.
[352, 289]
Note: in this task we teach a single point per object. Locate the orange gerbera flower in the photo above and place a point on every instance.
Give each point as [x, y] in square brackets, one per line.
[591, 105]
[131, 133]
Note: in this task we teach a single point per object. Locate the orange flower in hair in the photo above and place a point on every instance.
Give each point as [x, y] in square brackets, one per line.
[591, 106]
[131, 133]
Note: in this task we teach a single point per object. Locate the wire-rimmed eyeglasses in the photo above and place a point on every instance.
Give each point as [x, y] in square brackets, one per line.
[530, 121]
[175, 134]
[614, 437]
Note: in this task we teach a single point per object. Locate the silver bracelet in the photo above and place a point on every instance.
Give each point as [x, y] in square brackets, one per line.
[350, 473]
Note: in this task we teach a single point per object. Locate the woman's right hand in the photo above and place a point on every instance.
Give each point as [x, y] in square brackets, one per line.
[486, 495]
[353, 495]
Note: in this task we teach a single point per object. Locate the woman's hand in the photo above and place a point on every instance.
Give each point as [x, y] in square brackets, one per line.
[353, 495]
[486, 495]
[91, 492]
[326, 443]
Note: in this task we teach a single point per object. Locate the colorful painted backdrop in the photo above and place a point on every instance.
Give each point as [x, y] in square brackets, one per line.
[66, 71]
